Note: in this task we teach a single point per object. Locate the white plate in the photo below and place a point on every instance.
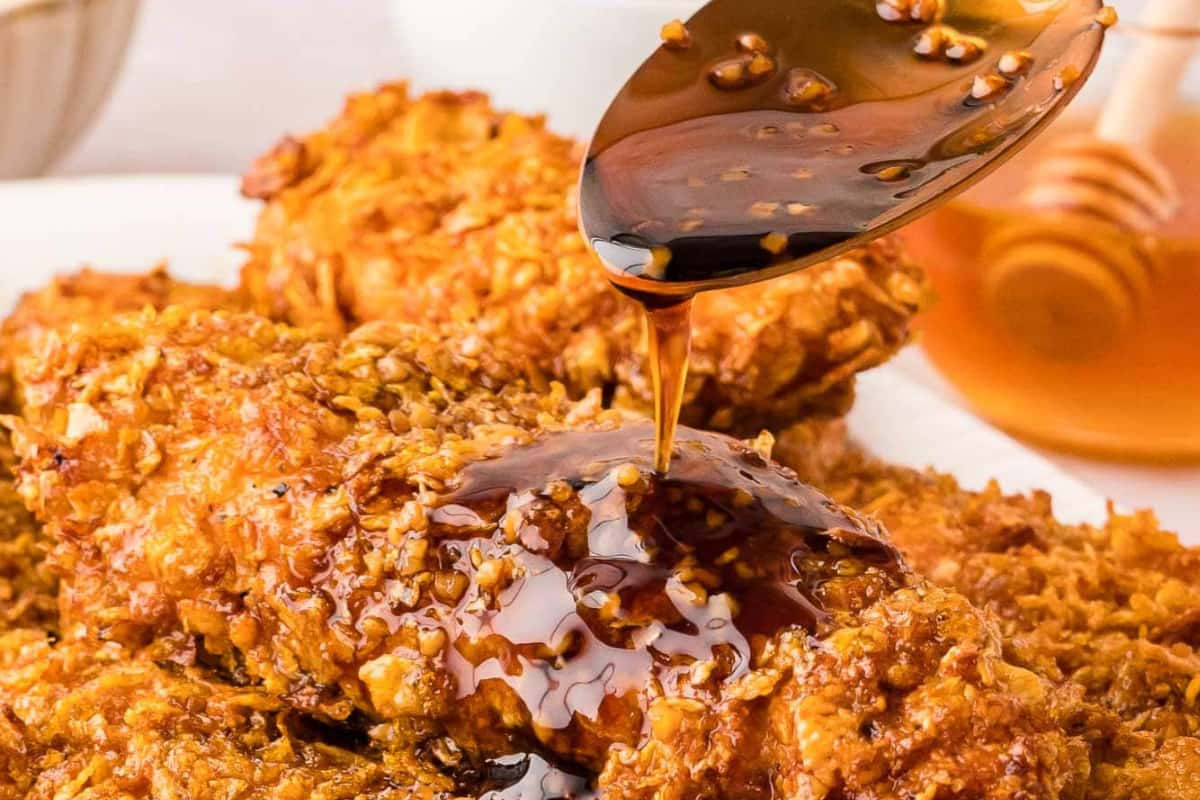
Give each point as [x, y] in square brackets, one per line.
[128, 223]
[120, 223]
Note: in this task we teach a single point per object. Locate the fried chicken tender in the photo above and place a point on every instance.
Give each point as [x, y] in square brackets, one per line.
[441, 209]
[370, 531]
[84, 720]
[1111, 615]
[28, 586]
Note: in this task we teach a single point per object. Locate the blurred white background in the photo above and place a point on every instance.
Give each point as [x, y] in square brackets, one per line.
[208, 86]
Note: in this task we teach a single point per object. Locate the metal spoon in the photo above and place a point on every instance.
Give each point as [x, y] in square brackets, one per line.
[766, 135]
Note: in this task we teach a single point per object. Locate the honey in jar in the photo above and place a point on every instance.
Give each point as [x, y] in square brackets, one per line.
[1109, 366]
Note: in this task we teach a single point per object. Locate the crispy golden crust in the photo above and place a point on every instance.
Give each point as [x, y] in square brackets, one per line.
[441, 208]
[28, 585]
[1110, 615]
[911, 702]
[277, 497]
[90, 295]
[84, 720]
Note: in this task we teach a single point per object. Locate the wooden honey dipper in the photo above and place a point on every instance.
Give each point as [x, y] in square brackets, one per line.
[1072, 276]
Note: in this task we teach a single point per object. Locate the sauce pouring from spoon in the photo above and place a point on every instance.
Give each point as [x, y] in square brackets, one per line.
[765, 136]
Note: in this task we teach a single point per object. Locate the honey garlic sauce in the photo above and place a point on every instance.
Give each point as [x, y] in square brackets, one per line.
[594, 583]
[767, 133]
[669, 333]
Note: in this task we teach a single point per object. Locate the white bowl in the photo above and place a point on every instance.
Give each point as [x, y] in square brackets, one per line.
[58, 59]
[566, 58]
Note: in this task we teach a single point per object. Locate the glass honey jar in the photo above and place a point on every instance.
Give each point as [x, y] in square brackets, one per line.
[1096, 348]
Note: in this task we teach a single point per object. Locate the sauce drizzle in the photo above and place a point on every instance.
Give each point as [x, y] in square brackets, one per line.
[589, 575]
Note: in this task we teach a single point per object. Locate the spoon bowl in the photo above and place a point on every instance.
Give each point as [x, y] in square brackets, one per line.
[767, 135]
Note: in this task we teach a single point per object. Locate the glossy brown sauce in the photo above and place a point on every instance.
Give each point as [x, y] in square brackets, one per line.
[764, 137]
[616, 576]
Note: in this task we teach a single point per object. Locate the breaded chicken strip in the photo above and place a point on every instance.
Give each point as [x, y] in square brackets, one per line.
[83, 720]
[27, 584]
[365, 529]
[1111, 615]
[441, 208]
